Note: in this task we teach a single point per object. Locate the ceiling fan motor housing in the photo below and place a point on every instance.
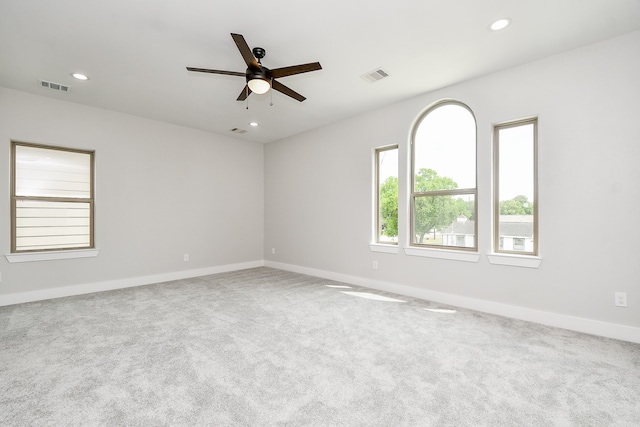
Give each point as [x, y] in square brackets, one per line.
[262, 74]
[259, 80]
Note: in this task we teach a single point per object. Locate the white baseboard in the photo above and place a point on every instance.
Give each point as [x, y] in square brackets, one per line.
[578, 324]
[67, 291]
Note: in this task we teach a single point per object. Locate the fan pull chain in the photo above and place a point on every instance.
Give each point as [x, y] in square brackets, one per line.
[247, 97]
[271, 103]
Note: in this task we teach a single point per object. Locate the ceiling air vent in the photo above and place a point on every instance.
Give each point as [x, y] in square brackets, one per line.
[375, 75]
[54, 86]
[238, 130]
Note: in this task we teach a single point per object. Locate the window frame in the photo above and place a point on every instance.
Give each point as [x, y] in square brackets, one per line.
[496, 187]
[376, 222]
[14, 199]
[456, 192]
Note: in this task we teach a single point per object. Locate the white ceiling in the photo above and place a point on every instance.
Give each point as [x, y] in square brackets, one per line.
[136, 51]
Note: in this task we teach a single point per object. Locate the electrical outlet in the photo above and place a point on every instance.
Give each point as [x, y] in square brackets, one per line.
[375, 265]
[273, 251]
[186, 257]
[621, 299]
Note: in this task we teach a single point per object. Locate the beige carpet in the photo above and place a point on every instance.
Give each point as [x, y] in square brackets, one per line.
[264, 347]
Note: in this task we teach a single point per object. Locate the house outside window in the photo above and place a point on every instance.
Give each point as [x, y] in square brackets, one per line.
[518, 244]
[443, 185]
[52, 198]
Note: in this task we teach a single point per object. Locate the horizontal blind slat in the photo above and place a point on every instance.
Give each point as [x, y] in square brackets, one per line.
[52, 222]
[52, 231]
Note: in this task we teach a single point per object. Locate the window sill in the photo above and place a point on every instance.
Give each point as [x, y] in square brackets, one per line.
[380, 247]
[48, 256]
[515, 260]
[443, 254]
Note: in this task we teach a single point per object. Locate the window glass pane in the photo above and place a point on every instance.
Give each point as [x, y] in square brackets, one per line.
[516, 188]
[444, 220]
[387, 175]
[44, 225]
[44, 172]
[445, 146]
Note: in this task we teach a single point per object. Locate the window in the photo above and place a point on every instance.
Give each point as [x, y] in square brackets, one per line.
[443, 187]
[51, 198]
[386, 178]
[515, 206]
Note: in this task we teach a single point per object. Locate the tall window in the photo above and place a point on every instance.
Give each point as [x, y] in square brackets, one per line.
[386, 178]
[515, 209]
[443, 187]
[51, 198]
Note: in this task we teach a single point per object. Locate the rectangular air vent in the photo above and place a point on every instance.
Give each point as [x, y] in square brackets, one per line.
[238, 130]
[375, 75]
[54, 86]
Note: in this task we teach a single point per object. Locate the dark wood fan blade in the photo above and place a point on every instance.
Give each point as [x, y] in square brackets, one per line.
[245, 51]
[244, 94]
[287, 91]
[295, 69]
[206, 70]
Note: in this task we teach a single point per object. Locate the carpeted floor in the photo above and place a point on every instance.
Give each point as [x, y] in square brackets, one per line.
[264, 347]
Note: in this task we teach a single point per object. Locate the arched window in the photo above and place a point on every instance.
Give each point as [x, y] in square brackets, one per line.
[443, 184]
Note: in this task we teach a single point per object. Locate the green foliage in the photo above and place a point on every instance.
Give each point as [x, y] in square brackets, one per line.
[389, 207]
[428, 180]
[431, 212]
[519, 205]
[511, 207]
[436, 212]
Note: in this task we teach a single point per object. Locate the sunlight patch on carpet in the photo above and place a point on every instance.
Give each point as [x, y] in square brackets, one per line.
[441, 310]
[368, 295]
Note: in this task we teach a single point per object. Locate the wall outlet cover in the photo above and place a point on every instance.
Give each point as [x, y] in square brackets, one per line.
[620, 299]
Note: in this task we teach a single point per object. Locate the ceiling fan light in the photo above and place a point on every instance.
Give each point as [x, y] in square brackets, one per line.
[259, 85]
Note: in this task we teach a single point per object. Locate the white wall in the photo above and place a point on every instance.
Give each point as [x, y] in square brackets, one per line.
[161, 191]
[318, 190]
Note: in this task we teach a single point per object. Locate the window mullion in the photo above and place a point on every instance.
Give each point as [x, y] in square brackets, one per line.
[455, 192]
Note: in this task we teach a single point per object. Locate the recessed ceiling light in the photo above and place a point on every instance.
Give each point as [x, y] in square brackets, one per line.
[500, 24]
[79, 76]
[254, 124]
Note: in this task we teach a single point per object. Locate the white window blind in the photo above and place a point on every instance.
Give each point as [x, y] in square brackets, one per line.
[52, 198]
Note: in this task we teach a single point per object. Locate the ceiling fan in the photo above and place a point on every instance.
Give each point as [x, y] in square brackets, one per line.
[259, 78]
